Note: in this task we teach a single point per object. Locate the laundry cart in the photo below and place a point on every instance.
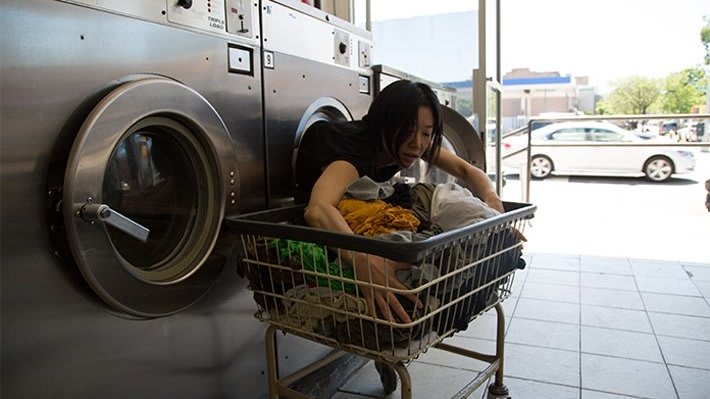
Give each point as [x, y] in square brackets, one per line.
[315, 283]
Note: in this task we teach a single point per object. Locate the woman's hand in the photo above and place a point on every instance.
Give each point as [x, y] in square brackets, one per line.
[381, 271]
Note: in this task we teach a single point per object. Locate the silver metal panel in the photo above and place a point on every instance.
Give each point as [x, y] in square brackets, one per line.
[289, 89]
[58, 339]
[225, 18]
[316, 39]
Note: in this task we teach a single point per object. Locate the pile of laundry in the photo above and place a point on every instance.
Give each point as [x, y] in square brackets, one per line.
[314, 290]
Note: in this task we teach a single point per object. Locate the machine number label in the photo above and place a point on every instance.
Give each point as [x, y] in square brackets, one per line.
[268, 59]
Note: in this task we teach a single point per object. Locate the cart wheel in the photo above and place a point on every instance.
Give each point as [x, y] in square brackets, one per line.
[498, 392]
[388, 377]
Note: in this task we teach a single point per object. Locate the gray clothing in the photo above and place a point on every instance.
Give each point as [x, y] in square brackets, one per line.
[366, 189]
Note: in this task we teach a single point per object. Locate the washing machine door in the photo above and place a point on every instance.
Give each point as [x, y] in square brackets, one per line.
[326, 109]
[149, 178]
[459, 137]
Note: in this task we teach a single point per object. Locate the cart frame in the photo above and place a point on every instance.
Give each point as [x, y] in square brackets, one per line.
[270, 225]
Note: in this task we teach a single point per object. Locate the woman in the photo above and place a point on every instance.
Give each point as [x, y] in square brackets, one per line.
[402, 125]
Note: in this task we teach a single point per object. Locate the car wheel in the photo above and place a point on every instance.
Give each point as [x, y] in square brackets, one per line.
[540, 167]
[658, 169]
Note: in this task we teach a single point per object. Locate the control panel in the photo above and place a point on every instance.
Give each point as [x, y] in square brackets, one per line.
[240, 16]
[227, 17]
[202, 14]
[231, 16]
[314, 35]
[341, 47]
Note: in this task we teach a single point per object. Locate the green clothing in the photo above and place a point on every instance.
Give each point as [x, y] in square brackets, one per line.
[313, 257]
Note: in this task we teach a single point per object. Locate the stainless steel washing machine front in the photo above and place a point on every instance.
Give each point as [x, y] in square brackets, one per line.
[459, 135]
[316, 67]
[129, 129]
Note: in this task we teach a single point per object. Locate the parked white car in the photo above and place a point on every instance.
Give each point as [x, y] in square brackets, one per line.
[583, 148]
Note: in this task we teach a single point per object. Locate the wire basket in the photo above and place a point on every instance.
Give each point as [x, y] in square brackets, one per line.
[304, 282]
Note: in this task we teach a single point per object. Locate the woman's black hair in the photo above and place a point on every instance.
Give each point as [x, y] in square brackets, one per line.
[394, 112]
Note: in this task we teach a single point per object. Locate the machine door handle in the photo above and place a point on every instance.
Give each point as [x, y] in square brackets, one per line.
[91, 212]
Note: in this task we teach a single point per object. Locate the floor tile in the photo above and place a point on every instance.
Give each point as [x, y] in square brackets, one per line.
[542, 364]
[612, 298]
[676, 304]
[626, 344]
[691, 383]
[484, 327]
[595, 264]
[703, 287]
[550, 292]
[672, 270]
[701, 273]
[621, 319]
[685, 352]
[532, 389]
[556, 262]
[553, 277]
[544, 333]
[428, 381]
[625, 376]
[518, 281]
[445, 358]
[681, 326]
[587, 394]
[701, 264]
[547, 310]
[608, 281]
[667, 286]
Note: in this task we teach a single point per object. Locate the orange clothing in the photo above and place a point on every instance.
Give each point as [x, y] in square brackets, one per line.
[373, 218]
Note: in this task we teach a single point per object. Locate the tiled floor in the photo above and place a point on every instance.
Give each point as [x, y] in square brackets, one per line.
[583, 327]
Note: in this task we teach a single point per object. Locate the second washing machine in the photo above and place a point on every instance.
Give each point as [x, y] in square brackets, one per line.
[316, 67]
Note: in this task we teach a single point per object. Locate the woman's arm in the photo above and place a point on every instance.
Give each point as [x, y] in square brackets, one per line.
[476, 180]
[322, 212]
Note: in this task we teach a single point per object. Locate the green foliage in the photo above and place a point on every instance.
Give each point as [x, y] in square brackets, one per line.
[602, 107]
[705, 38]
[464, 106]
[682, 90]
[634, 95]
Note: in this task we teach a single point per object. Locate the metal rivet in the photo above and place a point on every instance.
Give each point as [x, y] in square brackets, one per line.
[232, 194]
[231, 181]
[231, 173]
[234, 202]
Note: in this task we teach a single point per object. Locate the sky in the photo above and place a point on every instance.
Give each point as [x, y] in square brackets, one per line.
[606, 40]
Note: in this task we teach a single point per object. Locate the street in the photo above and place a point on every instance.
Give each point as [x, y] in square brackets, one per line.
[619, 216]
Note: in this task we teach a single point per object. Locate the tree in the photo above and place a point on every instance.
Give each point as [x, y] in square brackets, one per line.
[633, 95]
[705, 38]
[682, 90]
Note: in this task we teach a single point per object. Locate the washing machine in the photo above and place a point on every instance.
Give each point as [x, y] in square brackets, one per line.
[459, 135]
[316, 67]
[129, 130]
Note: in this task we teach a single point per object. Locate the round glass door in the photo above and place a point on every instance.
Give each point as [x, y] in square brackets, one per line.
[145, 194]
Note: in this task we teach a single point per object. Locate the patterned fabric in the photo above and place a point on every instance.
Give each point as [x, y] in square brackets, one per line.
[374, 218]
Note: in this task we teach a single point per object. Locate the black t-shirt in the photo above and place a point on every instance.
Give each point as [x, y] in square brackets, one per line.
[326, 142]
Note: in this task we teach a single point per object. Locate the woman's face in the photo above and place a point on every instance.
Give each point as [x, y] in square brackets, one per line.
[417, 143]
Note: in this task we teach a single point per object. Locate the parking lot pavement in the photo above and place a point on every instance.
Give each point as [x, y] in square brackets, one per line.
[619, 216]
